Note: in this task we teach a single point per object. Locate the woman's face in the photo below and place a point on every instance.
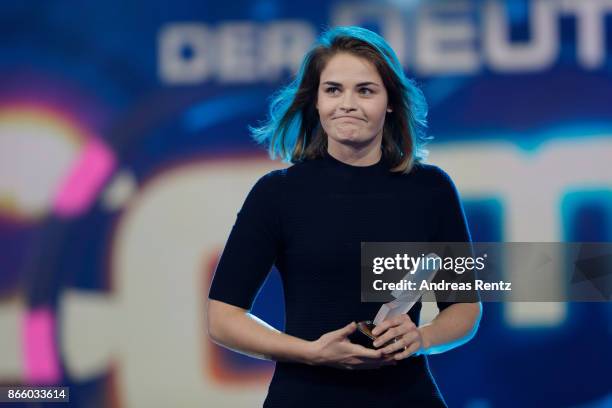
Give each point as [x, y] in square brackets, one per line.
[352, 102]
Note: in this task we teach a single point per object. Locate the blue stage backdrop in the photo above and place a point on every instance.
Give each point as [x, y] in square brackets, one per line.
[124, 158]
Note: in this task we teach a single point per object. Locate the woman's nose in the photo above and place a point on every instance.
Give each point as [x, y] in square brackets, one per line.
[347, 103]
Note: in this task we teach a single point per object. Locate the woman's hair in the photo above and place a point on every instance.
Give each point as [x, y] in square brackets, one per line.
[293, 130]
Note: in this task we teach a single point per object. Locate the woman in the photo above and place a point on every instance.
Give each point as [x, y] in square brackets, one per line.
[353, 125]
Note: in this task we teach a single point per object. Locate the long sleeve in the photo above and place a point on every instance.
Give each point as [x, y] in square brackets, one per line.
[252, 246]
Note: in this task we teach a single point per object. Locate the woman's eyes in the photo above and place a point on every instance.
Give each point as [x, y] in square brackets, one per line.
[364, 91]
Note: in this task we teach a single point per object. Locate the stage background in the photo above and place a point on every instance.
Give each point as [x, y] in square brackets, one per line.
[124, 158]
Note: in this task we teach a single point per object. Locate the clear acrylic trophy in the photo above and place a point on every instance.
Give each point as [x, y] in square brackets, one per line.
[404, 300]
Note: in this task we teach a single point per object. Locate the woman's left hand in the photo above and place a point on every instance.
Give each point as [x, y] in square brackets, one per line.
[409, 339]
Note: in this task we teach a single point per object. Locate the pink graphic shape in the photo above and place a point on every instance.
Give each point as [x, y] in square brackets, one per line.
[96, 161]
[40, 348]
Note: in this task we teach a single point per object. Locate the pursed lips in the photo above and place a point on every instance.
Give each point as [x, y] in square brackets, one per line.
[348, 117]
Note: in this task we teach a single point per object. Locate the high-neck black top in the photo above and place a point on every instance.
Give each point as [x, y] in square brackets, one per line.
[309, 221]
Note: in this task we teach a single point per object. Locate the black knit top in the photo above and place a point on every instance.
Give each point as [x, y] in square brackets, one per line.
[309, 221]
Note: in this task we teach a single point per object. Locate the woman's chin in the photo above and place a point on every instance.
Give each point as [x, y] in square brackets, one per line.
[353, 141]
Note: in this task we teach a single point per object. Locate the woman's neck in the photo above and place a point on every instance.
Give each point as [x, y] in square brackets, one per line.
[366, 156]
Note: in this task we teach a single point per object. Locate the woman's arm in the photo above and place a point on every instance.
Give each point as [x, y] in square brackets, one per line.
[452, 327]
[235, 328]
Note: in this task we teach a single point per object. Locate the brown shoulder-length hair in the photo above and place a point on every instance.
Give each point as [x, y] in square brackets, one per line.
[293, 130]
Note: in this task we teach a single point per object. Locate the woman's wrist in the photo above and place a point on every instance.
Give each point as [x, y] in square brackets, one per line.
[426, 341]
[310, 353]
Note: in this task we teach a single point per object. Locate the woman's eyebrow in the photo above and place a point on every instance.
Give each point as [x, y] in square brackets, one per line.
[359, 84]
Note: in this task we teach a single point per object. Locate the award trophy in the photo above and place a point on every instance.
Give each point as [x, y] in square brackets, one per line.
[404, 301]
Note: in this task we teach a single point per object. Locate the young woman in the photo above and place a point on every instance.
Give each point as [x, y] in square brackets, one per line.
[353, 126]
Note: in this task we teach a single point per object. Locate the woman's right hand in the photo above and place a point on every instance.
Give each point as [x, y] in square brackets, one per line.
[336, 350]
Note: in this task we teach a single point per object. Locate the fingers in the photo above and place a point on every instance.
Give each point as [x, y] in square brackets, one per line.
[346, 330]
[349, 328]
[389, 360]
[394, 321]
[388, 336]
[410, 350]
[404, 328]
[360, 351]
[402, 342]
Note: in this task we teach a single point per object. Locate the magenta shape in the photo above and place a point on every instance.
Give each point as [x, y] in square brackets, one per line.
[40, 350]
[79, 189]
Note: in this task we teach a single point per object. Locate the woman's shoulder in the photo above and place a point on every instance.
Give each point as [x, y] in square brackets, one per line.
[299, 171]
[271, 181]
[276, 180]
[431, 175]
